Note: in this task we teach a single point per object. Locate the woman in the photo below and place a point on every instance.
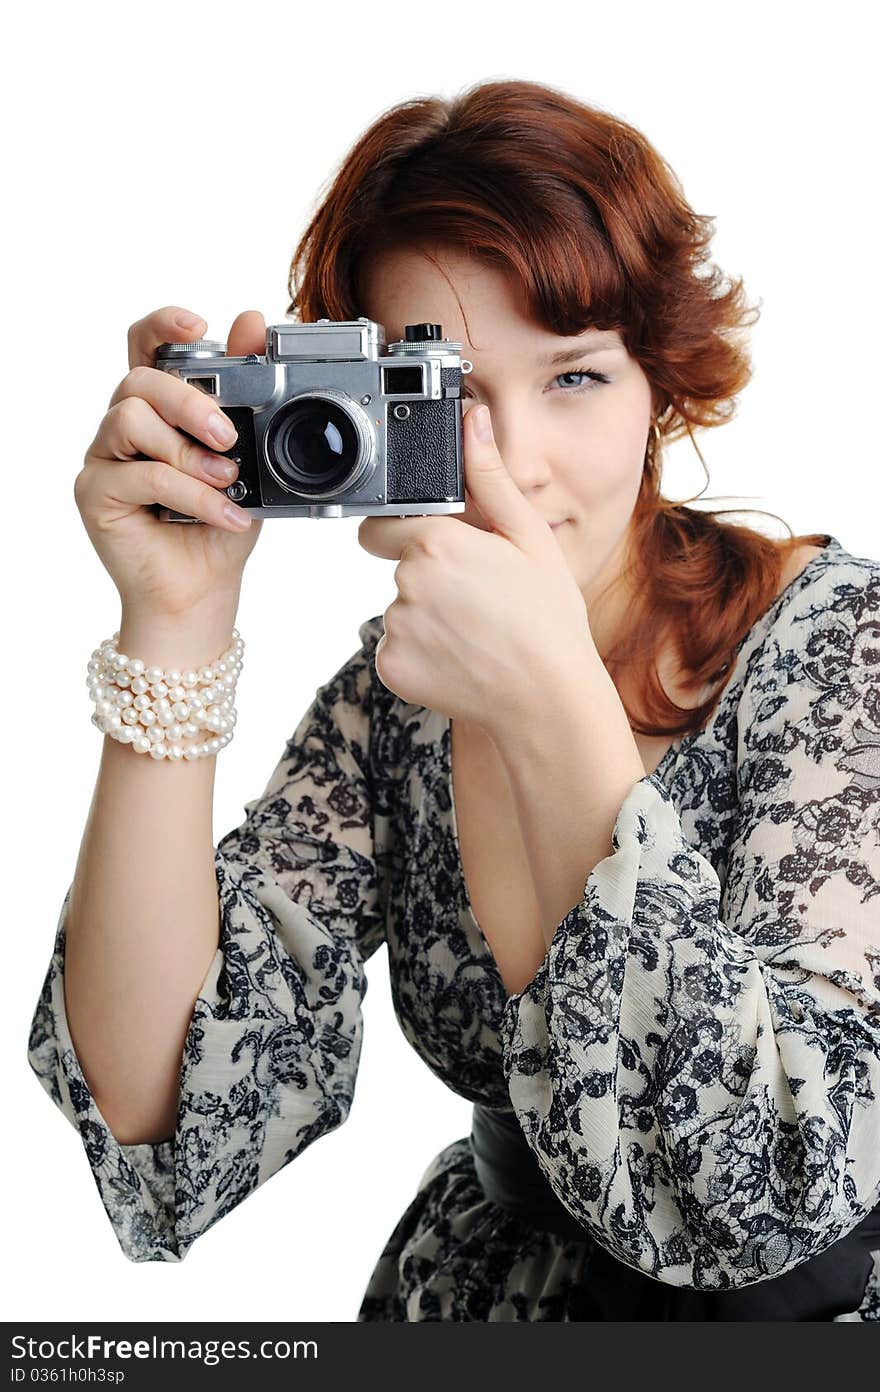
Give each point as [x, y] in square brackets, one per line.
[604, 778]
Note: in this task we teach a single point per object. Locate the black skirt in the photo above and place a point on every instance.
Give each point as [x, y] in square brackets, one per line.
[821, 1288]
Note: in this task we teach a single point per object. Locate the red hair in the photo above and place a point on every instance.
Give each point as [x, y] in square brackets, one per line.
[578, 206]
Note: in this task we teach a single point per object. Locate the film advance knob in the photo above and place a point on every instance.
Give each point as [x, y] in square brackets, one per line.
[420, 333]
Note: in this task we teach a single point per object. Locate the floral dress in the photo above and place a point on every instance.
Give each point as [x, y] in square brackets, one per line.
[695, 1064]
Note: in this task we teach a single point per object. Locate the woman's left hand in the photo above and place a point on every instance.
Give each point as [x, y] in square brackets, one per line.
[482, 617]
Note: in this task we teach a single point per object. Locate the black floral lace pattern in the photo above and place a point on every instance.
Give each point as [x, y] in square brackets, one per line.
[695, 1064]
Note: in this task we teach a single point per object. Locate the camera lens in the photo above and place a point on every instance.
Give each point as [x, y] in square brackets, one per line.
[313, 444]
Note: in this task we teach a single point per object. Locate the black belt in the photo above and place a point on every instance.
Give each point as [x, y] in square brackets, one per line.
[830, 1284]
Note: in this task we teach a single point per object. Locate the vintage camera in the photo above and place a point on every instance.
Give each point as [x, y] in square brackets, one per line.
[330, 424]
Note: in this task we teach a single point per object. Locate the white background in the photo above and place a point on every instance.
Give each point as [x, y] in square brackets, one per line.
[159, 155]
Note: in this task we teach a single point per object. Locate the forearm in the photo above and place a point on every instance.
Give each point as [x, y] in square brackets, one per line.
[143, 919]
[571, 760]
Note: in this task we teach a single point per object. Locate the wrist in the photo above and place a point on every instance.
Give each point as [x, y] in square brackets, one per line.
[552, 693]
[194, 639]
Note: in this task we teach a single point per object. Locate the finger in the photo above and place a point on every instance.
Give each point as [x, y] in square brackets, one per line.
[179, 404]
[247, 335]
[142, 482]
[134, 429]
[386, 537]
[162, 326]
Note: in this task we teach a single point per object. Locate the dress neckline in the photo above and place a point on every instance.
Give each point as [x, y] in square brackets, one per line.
[766, 620]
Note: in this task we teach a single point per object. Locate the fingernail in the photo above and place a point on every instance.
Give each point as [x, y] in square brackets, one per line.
[237, 516]
[483, 424]
[188, 321]
[222, 429]
[219, 468]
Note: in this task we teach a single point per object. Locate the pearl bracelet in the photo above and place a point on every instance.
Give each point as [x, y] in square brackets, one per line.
[153, 710]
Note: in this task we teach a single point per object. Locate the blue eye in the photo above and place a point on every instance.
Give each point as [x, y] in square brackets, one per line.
[596, 379]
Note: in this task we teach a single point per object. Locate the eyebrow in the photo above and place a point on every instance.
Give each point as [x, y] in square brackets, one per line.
[567, 355]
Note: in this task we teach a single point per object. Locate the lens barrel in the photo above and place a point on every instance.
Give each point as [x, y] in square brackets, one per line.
[313, 445]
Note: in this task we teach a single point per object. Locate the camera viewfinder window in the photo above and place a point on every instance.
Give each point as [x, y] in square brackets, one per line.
[402, 381]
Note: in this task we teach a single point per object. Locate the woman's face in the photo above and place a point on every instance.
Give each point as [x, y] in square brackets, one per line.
[573, 443]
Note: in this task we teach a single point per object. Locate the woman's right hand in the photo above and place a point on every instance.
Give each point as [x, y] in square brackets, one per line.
[140, 457]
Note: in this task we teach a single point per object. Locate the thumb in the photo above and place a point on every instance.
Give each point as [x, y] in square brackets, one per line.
[491, 487]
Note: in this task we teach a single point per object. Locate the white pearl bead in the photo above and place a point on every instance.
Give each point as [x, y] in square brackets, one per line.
[153, 710]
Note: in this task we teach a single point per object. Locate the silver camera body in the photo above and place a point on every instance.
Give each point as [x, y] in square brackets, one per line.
[332, 423]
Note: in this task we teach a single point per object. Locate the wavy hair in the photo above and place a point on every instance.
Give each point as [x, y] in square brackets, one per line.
[577, 204]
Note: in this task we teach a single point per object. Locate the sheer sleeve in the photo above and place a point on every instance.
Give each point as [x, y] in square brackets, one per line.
[696, 1063]
[272, 1050]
